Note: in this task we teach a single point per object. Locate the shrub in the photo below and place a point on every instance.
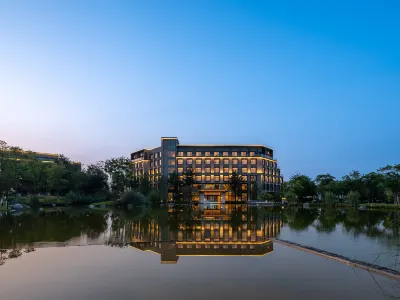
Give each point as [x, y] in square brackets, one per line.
[291, 197]
[134, 198]
[330, 198]
[79, 199]
[353, 197]
[154, 197]
[34, 201]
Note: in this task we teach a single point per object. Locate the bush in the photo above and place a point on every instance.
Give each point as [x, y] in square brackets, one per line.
[330, 198]
[353, 197]
[34, 201]
[133, 198]
[291, 197]
[154, 197]
[78, 199]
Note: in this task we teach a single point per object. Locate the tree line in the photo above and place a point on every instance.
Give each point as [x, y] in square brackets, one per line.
[380, 186]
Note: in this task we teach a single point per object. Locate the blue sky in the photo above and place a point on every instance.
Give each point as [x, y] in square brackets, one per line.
[318, 81]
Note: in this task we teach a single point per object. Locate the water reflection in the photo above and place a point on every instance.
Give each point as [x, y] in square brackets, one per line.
[211, 230]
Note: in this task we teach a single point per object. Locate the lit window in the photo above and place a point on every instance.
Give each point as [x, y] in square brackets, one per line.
[156, 155]
[198, 178]
[235, 170]
[198, 161]
[262, 178]
[243, 153]
[207, 170]
[244, 170]
[253, 161]
[151, 156]
[216, 161]
[180, 153]
[189, 153]
[151, 164]
[180, 170]
[216, 153]
[263, 170]
[225, 153]
[244, 161]
[151, 172]
[208, 178]
[234, 153]
[189, 161]
[180, 161]
[235, 161]
[171, 162]
[207, 161]
[155, 171]
[198, 170]
[263, 162]
[216, 178]
[207, 154]
[252, 153]
[267, 163]
[226, 170]
[198, 153]
[171, 170]
[171, 153]
[216, 170]
[226, 161]
[159, 163]
[226, 178]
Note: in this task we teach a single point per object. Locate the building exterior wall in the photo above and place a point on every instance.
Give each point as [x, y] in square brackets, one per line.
[212, 166]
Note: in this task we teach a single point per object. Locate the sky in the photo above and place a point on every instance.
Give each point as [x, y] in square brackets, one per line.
[317, 81]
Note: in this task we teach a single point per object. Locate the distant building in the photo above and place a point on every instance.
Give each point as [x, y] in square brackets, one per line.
[212, 165]
[41, 156]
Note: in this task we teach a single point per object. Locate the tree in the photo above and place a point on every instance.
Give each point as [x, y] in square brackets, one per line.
[353, 197]
[302, 186]
[120, 172]
[162, 186]
[392, 181]
[330, 198]
[325, 183]
[188, 181]
[174, 186]
[236, 182]
[144, 186]
[254, 190]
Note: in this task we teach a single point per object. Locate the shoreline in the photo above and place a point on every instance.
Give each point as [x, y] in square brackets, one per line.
[390, 273]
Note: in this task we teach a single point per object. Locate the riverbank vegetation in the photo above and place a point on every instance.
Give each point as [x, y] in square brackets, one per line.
[380, 187]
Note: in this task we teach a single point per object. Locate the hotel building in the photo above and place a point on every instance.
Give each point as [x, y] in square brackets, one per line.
[212, 166]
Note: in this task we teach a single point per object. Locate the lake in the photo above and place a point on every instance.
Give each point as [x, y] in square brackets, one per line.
[204, 252]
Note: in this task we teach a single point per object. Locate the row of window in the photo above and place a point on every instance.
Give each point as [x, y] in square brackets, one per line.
[217, 170]
[217, 161]
[216, 153]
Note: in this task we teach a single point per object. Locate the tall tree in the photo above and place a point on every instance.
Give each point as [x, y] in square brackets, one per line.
[236, 182]
[174, 186]
[392, 181]
[188, 181]
[302, 186]
[120, 172]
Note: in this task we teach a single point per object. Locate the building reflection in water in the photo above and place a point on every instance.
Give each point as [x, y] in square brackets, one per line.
[208, 230]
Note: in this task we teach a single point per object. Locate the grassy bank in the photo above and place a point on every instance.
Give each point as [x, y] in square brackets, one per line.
[43, 200]
[382, 205]
[104, 203]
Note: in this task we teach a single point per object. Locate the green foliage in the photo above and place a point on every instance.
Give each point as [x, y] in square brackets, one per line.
[254, 190]
[236, 182]
[145, 186]
[35, 201]
[301, 186]
[330, 198]
[353, 197]
[154, 197]
[134, 198]
[121, 175]
[73, 198]
[174, 186]
[291, 197]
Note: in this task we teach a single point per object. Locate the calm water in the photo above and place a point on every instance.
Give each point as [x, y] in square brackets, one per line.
[202, 253]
